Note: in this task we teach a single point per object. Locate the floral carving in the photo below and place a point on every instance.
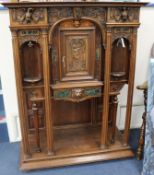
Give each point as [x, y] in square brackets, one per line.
[28, 15]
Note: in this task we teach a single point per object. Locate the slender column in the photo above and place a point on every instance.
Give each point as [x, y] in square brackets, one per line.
[36, 125]
[22, 115]
[48, 102]
[105, 113]
[94, 111]
[114, 115]
[130, 87]
[142, 129]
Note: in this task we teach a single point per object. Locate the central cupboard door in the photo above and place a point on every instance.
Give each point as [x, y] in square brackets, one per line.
[77, 53]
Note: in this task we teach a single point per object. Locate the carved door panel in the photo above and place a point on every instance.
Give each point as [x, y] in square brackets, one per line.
[77, 53]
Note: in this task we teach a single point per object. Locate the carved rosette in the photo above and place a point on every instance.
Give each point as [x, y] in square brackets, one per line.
[28, 15]
[123, 14]
[77, 94]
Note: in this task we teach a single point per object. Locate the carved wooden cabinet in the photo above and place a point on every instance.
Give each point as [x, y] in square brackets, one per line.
[71, 61]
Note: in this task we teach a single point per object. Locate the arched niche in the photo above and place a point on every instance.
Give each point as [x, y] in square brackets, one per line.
[31, 62]
[120, 59]
[65, 38]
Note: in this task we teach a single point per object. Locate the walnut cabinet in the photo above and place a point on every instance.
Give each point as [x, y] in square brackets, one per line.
[71, 61]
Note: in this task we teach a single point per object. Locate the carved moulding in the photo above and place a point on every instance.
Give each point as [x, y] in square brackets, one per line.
[77, 94]
[123, 14]
[28, 15]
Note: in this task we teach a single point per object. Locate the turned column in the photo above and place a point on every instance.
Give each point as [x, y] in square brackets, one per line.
[36, 126]
[144, 88]
[114, 103]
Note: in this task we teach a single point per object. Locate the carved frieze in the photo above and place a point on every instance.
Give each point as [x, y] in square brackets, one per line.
[123, 14]
[77, 94]
[77, 13]
[28, 15]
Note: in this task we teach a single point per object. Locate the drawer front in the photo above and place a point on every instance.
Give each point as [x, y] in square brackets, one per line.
[77, 94]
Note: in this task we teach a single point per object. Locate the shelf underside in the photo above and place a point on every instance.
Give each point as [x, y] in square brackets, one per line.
[75, 146]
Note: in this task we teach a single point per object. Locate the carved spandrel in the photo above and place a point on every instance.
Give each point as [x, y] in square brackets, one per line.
[28, 15]
[123, 14]
[96, 13]
[55, 14]
[124, 32]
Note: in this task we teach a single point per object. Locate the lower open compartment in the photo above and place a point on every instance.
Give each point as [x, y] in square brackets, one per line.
[74, 146]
